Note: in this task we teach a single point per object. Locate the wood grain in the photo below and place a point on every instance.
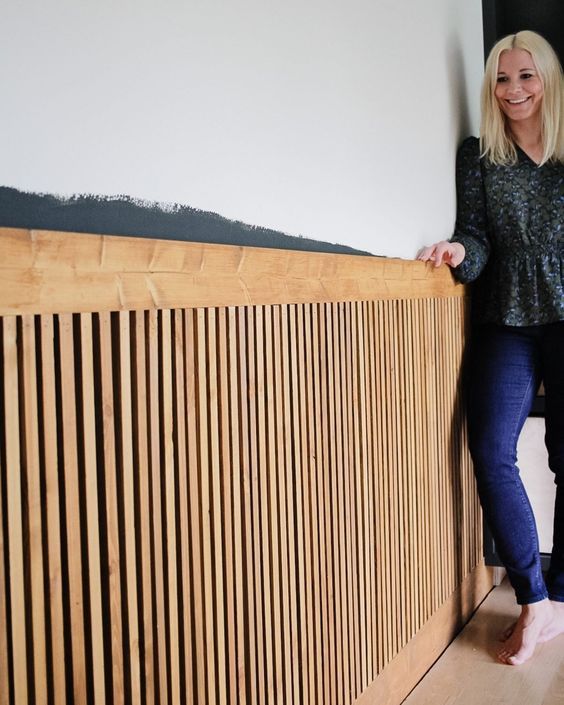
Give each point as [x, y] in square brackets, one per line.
[229, 475]
[55, 272]
[14, 539]
[35, 505]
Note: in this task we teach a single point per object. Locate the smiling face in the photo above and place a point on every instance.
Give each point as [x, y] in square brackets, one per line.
[519, 90]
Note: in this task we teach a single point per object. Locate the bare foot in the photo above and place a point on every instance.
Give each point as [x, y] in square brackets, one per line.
[534, 620]
[556, 625]
[506, 633]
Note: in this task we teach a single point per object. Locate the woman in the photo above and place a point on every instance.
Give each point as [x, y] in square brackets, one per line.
[509, 239]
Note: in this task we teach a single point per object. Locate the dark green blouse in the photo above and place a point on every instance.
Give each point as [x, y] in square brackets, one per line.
[510, 220]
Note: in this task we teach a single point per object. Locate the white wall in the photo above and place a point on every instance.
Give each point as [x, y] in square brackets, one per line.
[334, 120]
[532, 458]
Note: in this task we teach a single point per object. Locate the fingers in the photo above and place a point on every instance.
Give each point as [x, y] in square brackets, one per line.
[451, 253]
[426, 253]
[437, 253]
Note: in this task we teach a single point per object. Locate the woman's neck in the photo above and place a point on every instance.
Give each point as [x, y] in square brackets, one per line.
[527, 135]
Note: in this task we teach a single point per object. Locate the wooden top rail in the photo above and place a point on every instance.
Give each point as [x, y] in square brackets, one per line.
[43, 271]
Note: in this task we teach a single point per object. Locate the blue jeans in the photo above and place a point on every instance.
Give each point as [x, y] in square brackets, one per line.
[505, 367]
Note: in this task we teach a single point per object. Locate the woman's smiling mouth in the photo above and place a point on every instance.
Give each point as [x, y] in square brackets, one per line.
[519, 101]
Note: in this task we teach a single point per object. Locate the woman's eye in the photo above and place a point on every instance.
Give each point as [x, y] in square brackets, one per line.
[501, 79]
[526, 75]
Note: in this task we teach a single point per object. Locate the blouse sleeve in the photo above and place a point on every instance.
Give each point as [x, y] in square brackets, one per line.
[471, 228]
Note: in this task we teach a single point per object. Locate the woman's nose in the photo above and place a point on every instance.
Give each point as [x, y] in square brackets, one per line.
[515, 87]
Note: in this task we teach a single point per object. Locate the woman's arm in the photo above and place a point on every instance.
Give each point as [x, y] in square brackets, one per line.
[469, 248]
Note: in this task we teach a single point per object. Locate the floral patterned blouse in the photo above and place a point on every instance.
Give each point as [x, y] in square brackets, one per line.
[510, 220]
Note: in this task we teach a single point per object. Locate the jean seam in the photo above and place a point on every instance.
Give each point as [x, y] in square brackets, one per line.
[522, 492]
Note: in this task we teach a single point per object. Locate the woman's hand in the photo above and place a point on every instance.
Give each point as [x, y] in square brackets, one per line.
[451, 253]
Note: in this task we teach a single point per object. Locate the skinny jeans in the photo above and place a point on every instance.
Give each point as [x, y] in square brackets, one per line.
[505, 366]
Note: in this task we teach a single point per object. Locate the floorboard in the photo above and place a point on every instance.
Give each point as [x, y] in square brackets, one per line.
[468, 674]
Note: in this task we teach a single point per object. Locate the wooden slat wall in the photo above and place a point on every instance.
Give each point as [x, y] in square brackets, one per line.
[230, 504]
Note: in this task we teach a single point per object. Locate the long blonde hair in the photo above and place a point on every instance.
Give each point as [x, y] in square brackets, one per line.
[496, 142]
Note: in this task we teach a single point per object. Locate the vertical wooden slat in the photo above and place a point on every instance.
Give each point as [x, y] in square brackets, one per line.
[335, 463]
[320, 548]
[206, 501]
[400, 495]
[284, 550]
[256, 465]
[395, 459]
[53, 509]
[34, 507]
[155, 430]
[72, 507]
[142, 460]
[329, 499]
[287, 384]
[314, 462]
[112, 509]
[298, 433]
[426, 431]
[356, 473]
[414, 595]
[350, 500]
[429, 392]
[363, 498]
[436, 460]
[346, 531]
[88, 421]
[14, 507]
[417, 451]
[381, 618]
[420, 452]
[255, 665]
[306, 439]
[403, 494]
[128, 484]
[220, 628]
[169, 489]
[343, 672]
[272, 470]
[262, 497]
[392, 461]
[4, 635]
[369, 518]
[241, 672]
[326, 518]
[375, 443]
[226, 472]
[199, 647]
[183, 517]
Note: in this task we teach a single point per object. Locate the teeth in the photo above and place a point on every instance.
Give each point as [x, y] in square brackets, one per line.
[516, 102]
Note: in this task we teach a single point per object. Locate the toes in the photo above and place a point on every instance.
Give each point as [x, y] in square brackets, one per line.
[512, 657]
[503, 655]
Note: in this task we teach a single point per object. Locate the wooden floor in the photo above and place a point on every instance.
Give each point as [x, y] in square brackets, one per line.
[467, 673]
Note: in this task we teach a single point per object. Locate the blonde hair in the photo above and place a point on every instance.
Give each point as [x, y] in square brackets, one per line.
[496, 142]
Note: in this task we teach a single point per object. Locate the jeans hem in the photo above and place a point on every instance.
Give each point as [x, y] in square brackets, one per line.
[531, 600]
[555, 598]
